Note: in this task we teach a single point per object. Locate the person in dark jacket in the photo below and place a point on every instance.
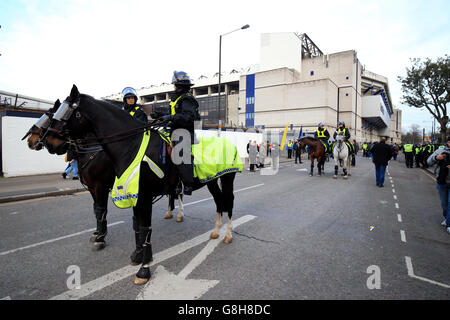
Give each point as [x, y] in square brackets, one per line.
[382, 153]
[130, 105]
[183, 114]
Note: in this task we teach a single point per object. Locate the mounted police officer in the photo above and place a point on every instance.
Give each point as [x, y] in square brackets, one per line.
[323, 135]
[183, 113]
[130, 105]
[346, 133]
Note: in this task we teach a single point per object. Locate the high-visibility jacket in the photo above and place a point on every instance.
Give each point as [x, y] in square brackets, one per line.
[321, 134]
[365, 146]
[408, 147]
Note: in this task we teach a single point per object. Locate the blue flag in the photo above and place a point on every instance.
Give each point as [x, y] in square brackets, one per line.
[300, 135]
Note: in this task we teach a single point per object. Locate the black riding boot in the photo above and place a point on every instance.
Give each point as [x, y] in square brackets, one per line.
[137, 255]
[186, 172]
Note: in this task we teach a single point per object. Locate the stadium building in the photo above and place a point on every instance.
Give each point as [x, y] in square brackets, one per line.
[294, 83]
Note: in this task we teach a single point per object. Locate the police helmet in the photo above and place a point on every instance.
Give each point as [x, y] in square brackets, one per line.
[341, 122]
[129, 92]
[181, 78]
[320, 124]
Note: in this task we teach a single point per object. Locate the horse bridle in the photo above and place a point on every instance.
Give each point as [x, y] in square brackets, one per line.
[65, 111]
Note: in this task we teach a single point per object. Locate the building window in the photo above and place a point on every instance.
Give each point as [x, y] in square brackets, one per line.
[346, 78]
[312, 73]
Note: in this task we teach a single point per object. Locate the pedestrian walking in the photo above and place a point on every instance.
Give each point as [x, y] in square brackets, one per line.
[441, 157]
[409, 156]
[297, 152]
[262, 154]
[72, 167]
[381, 153]
[253, 152]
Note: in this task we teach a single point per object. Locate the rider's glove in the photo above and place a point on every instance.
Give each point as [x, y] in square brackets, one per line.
[166, 118]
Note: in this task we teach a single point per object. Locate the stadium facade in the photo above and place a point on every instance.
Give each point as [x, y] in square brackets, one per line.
[294, 83]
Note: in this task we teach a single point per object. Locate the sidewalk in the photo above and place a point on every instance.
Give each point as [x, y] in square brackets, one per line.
[37, 186]
[46, 185]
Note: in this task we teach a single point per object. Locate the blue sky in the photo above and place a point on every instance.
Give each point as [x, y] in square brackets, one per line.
[105, 45]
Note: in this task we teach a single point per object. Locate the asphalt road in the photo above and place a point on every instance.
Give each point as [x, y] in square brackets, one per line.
[298, 237]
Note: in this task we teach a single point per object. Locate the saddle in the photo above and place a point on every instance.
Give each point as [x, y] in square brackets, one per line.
[349, 146]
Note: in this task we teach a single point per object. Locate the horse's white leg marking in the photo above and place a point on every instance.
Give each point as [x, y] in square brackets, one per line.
[228, 237]
[180, 216]
[215, 233]
[169, 214]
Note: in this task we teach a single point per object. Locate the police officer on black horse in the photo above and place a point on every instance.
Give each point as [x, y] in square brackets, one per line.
[183, 113]
[130, 105]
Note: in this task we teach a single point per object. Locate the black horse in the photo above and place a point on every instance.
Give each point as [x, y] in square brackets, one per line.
[120, 136]
[97, 174]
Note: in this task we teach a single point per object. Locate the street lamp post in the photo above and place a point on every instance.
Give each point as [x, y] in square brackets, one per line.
[220, 68]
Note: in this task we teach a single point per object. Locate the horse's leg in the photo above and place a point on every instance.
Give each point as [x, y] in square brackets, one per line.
[144, 217]
[319, 165]
[346, 165]
[336, 166]
[349, 166]
[100, 196]
[312, 166]
[136, 255]
[228, 201]
[215, 191]
[180, 216]
[169, 214]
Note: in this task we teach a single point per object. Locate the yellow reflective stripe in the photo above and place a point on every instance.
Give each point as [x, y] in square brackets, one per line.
[173, 104]
[321, 134]
[133, 112]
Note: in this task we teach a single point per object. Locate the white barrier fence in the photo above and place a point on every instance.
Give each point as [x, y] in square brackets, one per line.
[19, 160]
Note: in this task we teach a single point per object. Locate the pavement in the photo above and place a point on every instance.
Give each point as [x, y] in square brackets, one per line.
[49, 185]
[37, 186]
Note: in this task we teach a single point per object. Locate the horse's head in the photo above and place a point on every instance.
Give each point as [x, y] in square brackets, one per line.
[36, 132]
[67, 124]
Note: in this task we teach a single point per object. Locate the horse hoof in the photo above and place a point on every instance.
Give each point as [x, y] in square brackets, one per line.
[168, 215]
[180, 219]
[310, 175]
[99, 245]
[227, 239]
[93, 237]
[214, 235]
[143, 276]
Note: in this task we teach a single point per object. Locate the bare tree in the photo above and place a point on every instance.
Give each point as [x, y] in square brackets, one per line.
[426, 85]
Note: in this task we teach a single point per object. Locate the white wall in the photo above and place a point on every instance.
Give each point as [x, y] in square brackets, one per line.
[17, 158]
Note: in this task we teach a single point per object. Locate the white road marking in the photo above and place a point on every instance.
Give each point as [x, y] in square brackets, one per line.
[14, 213]
[56, 239]
[396, 205]
[6, 298]
[393, 190]
[410, 269]
[403, 235]
[211, 198]
[399, 217]
[166, 285]
[395, 197]
[302, 169]
[115, 276]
